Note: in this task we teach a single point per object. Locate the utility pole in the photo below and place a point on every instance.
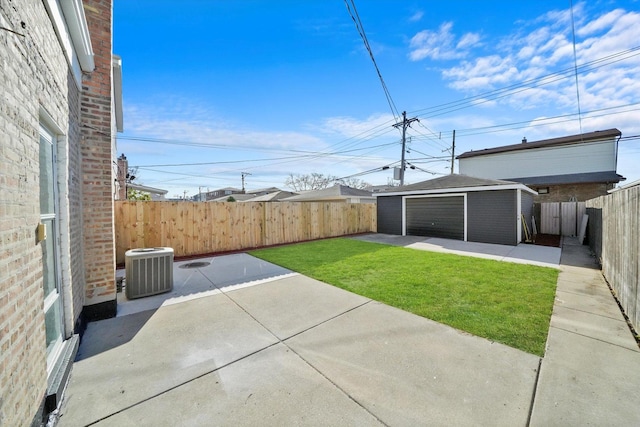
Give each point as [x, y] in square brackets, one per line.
[405, 124]
[243, 174]
[453, 150]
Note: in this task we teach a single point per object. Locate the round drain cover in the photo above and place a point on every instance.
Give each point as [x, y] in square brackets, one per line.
[197, 264]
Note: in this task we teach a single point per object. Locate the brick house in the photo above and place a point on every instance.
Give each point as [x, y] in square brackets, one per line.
[59, 113]
[571, 168]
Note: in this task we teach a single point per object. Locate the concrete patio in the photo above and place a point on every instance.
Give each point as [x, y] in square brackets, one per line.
[244, 342]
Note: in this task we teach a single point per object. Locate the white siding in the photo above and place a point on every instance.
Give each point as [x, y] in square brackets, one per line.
[564, 160]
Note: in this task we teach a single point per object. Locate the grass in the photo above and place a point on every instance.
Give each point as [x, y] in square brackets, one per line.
[504, 302]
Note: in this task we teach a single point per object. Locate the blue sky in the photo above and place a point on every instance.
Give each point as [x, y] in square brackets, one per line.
[212, 89]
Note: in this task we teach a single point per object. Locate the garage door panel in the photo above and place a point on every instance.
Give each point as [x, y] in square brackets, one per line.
[436, 217]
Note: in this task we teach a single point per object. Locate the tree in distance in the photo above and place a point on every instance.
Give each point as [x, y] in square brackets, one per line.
[319, 181]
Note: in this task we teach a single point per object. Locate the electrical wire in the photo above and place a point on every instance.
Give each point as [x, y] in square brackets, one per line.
[307, 156]
[384, 128]
[575, 64]
[359, 27]
[516, 88]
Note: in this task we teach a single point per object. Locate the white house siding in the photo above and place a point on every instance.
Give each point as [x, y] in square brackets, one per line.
[587, 157]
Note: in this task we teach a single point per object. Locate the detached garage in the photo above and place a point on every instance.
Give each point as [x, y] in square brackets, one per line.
[458, 207]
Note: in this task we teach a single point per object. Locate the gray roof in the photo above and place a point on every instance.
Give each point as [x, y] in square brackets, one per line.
[272, 197]
[600, 135]
[225, 189]
[631, 184]
[574, 178]
[239, 197]
[335, 192]
[263, 190]
[449, 182]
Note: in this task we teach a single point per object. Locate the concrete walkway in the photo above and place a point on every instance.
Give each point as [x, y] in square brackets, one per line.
[590, 374]
[277, 348]
[523, 253]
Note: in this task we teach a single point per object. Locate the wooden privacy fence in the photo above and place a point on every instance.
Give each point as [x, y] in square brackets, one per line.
[614, 236]
[561, 218]
[196, 228]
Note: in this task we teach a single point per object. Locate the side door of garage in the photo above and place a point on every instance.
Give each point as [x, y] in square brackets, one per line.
[435, 216]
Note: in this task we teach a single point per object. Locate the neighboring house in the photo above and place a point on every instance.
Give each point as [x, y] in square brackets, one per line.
[58, 120]
[571, 168]
[216, 194]
[337, 193]
[381, 188]
[275, 196]
[458, 207]
[238, 197]
[263, 191]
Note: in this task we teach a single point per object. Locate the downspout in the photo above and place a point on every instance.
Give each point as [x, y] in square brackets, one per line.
[616, 153]
[519, 216]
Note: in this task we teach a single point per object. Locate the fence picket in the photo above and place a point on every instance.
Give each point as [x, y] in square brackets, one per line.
[614, 236]
[196, 228]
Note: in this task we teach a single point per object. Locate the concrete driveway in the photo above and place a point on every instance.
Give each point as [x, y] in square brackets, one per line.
[244, 342]
[523, 253]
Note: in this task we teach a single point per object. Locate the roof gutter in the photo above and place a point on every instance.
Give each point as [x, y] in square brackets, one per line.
[459, 190]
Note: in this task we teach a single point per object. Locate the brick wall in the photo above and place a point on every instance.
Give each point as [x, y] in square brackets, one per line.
[571, 192]
[97, 158]
[72, 257]
[34, 77]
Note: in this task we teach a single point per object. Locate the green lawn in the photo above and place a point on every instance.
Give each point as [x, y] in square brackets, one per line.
[505, 302]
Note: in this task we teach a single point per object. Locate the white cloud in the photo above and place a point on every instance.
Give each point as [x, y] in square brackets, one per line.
[349, 127]
[484, 72]
[441, 44]
[544, 46]
[468, 40]
[192, 123]
[602, 23]
[200, 135]
[417, 16]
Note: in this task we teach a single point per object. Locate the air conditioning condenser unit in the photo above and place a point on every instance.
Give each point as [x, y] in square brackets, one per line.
[148, 271]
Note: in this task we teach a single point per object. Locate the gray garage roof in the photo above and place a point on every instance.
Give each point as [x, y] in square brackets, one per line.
[574, 178]
[455, 183]
[332, 193]
[599, 135]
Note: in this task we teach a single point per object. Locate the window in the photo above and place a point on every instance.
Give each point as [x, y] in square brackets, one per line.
[50, 246]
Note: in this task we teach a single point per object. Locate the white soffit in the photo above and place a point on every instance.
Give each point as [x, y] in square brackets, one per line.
[77, 24]
[117, 91]
[69, 21]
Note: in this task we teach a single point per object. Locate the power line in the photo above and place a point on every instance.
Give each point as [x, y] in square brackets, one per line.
[356, 20]
[367, 172]
[516, 88]
[539, 122]
[405, 124]
[575, 64]
[311, 155]
[461, 132]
